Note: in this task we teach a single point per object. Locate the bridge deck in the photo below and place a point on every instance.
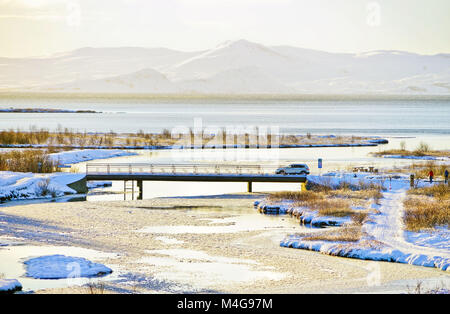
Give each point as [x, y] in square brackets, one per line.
[188, 172]
[194, 177]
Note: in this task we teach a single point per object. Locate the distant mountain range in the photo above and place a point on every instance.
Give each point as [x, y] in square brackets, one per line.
[233, 67]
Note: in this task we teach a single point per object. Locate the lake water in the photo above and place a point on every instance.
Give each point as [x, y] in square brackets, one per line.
[374, 117]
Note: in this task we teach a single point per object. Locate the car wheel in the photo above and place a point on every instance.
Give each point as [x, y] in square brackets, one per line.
[283, 173]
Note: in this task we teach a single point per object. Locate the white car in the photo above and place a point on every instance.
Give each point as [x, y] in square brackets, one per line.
[301, 169]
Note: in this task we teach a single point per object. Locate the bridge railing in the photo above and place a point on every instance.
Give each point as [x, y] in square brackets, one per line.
[147, 168]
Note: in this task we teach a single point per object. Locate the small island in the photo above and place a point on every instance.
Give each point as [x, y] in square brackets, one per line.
[44, 110]
[422, 152]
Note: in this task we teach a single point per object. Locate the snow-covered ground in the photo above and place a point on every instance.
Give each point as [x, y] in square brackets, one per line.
[385, 238]
[415, 157]
[25, 186]
[61, 266]
[77, 156]
[21, 186]
[9, 285]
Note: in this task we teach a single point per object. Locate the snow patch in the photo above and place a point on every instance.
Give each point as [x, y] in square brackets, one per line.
[9, 285]
[77, 156]
[61, 266]
[360, 251]
[414, 157]
[22, 186]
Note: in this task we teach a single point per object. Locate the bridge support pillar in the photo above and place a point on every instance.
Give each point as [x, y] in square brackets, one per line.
[140, 186]
[249, 187]
[303, 186]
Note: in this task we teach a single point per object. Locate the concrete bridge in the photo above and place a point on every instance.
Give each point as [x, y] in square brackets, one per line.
[140, 172]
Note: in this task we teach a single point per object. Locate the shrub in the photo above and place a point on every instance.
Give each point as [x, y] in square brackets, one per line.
[423, 148]
[27, 161]
[43, 188]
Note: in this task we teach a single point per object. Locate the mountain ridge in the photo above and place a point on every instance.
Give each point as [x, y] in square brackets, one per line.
[232, 67]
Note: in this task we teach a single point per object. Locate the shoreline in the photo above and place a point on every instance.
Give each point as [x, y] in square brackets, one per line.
[165, 261]
[219, 97]
[169, 147]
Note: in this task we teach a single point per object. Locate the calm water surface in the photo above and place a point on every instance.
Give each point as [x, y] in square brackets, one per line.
[375, 117]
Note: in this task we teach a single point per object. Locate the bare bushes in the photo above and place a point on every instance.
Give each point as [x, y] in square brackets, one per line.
[36, 161]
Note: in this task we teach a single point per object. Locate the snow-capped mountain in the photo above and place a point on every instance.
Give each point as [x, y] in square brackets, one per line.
[233, 67]
[144, 81]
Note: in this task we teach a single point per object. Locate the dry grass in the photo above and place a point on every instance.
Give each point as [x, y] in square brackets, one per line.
[43, 189]
[344, 186]
[423, 149]
[344, 234]
[332, 207]
[27, 161]
[439, 191]
[34, 136]
[422, 169]
[316, 201]
[419, 152]
[333, 202]
[359, 218]
[374, 194]
[296, 196]
[424, 212]
[76, 139]
[96, 288]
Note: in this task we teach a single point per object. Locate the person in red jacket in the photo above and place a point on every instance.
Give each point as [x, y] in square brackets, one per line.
[431, 174]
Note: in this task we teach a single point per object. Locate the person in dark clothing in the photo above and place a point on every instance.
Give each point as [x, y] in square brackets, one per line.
[446, 176]
[431, 174]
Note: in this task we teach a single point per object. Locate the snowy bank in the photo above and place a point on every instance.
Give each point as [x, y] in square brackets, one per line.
[438, 239]
[77, 156]
[304, 215]
[9, 286]
[336, 179]
[416, 157]
[61, 266]
[388, 181]
[384, 237]
[22, 186]
[367, 252]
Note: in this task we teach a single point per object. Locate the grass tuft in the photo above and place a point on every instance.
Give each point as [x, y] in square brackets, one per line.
[343, 234]
[427, 208]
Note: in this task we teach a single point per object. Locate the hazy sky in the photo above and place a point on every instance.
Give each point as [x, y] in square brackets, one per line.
[40, 27]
